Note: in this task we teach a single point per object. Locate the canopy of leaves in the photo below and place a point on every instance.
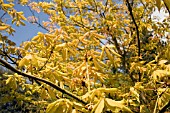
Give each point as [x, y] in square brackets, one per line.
[97, 56]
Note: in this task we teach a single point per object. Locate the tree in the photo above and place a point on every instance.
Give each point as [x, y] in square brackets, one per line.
[97, 56]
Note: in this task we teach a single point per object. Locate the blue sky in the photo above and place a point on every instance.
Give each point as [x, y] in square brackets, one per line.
[24, 33]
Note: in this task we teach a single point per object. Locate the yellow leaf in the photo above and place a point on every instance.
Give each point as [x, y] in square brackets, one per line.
[113, 52]
[41, 59]
[35, 38]
[109, 55]
[101, 63]
[51, 108]
[74, 111]
[3, 27]
[162, 62]
[99, 36]
[21, 15]
[27, 45]
[111, 104]
[34, 61]
[7, 5]
[134, 93]
[158, 4]
[51, 93]
[14, 84]
[61, 73]
[108, 90]
[23, 62]
[72, 51]
[97, 64]
[102, 53]
[61, 45]
[8, 80]
[64, 54]
[78, 106]
[100, 107]
[43, 94]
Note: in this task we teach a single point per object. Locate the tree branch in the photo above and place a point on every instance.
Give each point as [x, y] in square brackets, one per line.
[167, 7]
[137, 32]
[133, 19]
[42, 80]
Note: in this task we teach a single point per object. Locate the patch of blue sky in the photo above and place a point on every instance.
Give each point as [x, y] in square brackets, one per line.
[24, 33]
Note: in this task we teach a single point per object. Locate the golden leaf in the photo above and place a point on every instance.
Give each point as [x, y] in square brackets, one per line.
[51, 93]
[3, 27]
[102, 53]
[111, 104]
[51, 108]
[100, 107]
[109, 55]
[23, 62]
[35, 38]
[8, 80]
[97, 64]
[64, 54]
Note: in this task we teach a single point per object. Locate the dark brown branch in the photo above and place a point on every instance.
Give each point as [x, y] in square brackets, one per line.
[167, 7]
[5, 54]
[137, 32]
[42, 80]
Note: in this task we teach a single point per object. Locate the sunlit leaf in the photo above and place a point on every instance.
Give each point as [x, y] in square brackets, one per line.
[23, 62]
[52, 107]
[111, 104]
[3, 27]
[100, 107]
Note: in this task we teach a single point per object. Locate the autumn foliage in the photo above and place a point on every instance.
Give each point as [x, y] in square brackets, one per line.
[98, 56]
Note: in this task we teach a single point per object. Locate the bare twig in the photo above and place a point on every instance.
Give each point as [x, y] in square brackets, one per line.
[36, 20]
[42, 80]
[3, 15]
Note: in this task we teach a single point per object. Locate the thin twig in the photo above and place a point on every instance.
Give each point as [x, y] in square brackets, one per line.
[36, 20]
[3, 15]
[5, 54]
